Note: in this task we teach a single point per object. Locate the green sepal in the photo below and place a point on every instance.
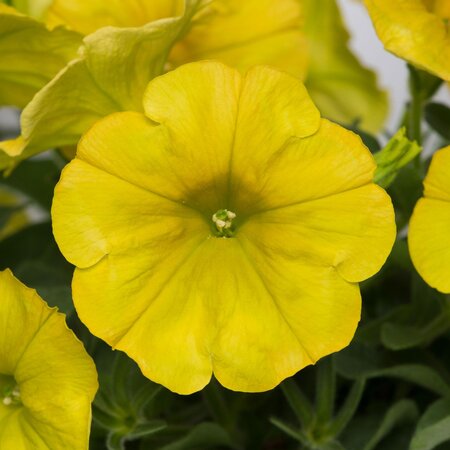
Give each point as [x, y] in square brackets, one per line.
[397, 153]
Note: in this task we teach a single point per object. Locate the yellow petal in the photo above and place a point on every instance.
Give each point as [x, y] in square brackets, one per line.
[198, 93]
[336, 230]
[31, 55]
[88, 16]
[56, 377]
[411, 32]
[342, 88]
[294, 172]
[244, 34]
[33, 8]
[428, 236]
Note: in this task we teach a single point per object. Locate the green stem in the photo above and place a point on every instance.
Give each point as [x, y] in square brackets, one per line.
[298, 402]
[325, 390]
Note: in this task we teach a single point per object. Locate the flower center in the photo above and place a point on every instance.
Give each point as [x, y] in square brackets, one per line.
[223, 222]
[11, 395]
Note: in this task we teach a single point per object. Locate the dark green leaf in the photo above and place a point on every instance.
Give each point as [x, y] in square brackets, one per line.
[438, 117]
[399, 413]
[203, 436]
[433, 428]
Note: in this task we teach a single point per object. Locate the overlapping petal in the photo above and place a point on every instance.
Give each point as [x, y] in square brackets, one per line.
[414, 32]
[31, 55]
[56, 378]
[428, 236]
[133, 213]
[88, 16]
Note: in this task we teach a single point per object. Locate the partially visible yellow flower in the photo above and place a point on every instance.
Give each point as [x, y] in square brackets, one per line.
[240, 33]
[88, 16]
[47, 380]
[429, 230]
[224, 231]
[415, 30]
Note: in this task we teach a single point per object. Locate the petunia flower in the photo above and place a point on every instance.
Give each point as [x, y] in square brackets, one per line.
[415, 30]
[47, 380]
[224, 231]
[428, 237]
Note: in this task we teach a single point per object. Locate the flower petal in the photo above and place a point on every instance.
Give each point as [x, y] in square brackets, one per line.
[86, 17]
[352, 231]
[56, 377]
[428, 240]
[342, 88]
[411, 32]
[428, 235]
[31, 55]
[107, 201]
[282, 175]
[244, 34]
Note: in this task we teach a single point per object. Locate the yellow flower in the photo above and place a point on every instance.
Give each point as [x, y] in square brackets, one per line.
[415, 30]
[47, 380]
[239, 33]
[224, 231]
[428, 235]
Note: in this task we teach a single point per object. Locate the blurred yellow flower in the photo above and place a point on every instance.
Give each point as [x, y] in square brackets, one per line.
[224, 231]
[415, 30]
[47, 380]
[429, 241]
[239, 33]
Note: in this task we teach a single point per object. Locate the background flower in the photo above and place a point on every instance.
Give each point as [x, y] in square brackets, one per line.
[415, 30]
[137, 212]
[47, 380]
[428, 235]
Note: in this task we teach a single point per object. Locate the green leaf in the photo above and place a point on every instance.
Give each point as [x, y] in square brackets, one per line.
[438, 117]
[420, 375]
[340, 86]
[403, 411]
[31, 55]
[433, 428]
[398, 152]
[110, 76]
[35, 259]
[35, 180]
[400, 337]
[363, 362]
[203, 436]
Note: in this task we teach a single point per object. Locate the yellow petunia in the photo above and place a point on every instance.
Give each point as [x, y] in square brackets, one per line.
[239, 33]
[415, 30]
[428, 237]
[47, 380]
[224, 231]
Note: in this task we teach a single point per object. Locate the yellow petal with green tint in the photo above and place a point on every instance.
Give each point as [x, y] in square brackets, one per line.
[136, 212]
[428, 235]
[88, 16]
[342, 88]
[30, 55]
[52, 372]
[244, 34]
[33, 8]
[413, 32]
[111, 75]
